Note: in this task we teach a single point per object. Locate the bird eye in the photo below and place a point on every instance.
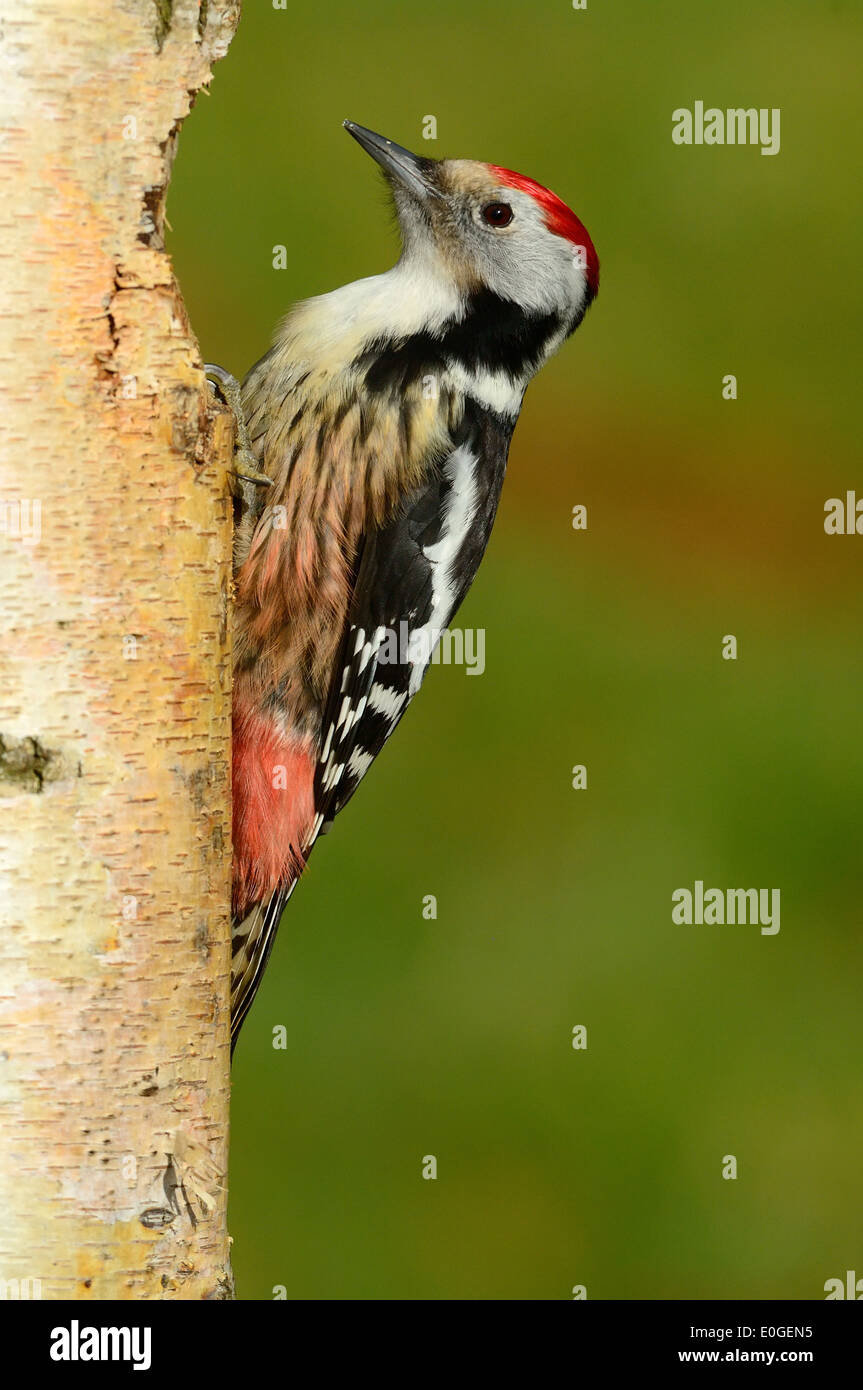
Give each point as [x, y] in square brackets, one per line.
[497, 214]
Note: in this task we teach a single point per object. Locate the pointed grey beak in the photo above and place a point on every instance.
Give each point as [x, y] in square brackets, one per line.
[408, 168]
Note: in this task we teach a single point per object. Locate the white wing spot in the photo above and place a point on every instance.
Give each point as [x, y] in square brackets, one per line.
[360, 762]
[332, 775]
[459, 468]
[371, 647]
[325, 751]
[313, 833]
[357, 715]
[385, 701]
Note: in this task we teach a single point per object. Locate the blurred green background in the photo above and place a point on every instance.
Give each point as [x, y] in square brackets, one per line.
[408, 1037]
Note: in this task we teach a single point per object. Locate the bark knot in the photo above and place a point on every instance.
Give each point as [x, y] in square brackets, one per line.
[26, 764]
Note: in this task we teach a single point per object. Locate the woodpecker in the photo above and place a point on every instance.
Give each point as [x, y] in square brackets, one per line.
[381, 419]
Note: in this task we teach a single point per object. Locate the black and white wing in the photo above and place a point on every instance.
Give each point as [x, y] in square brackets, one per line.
[411, 577]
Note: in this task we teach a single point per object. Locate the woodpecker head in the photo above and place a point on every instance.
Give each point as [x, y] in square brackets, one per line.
[489, 229]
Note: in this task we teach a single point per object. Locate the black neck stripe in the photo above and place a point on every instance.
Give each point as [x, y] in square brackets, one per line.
[495, 335]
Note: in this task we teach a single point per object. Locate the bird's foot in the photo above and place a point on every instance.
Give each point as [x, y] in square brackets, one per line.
[245, 464]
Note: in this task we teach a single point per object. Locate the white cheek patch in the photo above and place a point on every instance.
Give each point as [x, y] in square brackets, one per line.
[532, 265]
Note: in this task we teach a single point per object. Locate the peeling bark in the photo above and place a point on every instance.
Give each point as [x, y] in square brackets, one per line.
[115, 671]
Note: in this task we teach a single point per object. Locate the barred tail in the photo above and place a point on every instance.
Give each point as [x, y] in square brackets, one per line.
[252, 940]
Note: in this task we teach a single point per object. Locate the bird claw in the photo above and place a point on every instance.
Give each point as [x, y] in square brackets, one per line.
[249, 473]
[231, 393]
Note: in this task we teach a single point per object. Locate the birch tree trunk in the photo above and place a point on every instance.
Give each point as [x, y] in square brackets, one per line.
[115, 675]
